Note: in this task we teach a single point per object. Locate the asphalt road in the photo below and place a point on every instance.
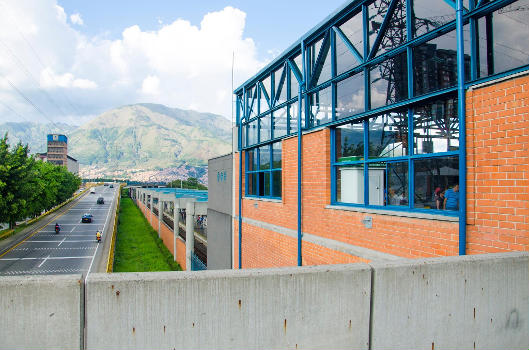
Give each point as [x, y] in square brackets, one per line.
[73, 250]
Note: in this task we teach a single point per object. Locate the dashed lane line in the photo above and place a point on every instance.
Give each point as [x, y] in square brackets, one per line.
[49, 258]
[41, 272]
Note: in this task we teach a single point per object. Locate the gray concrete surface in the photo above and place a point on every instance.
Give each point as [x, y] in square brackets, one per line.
[41, 312]
[309, 307]
[220, 174]
[73, 250]
[468, 302]
[219, 240]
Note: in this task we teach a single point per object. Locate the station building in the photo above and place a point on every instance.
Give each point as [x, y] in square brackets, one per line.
[393, 129]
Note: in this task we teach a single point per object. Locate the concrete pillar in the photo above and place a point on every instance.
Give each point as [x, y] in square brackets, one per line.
[150, 207]
[176, 228]
[190, 233]
[160, 216]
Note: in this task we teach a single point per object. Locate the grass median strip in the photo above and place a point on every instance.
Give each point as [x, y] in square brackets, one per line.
[138, 248]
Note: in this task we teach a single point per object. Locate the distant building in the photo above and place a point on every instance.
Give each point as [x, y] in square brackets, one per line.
[58, 153]
[58, 149]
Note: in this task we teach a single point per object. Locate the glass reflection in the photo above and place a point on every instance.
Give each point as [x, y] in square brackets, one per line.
[252, 184]
[350, 96]
[294, 84]
[428, 15]
[396, 32]
[435, 64]
[264, 157]
[276, 183]
[264, 104]
[276, 155]
[320, 104]
[265, 128]
[252, 133]
[397, 183]
[251, 164]
[280, 86]
[349, 141]
[280, 122]
[293, 110]
[388, 135]
[389, 81]
[436, 127]
[435, 178]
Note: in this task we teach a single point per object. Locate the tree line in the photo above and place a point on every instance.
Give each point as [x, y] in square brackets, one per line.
[29, 186]
[191, 183]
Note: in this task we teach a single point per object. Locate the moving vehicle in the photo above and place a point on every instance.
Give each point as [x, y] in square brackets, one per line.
[98, 236]
[111, 186]
[92, 190]
[57, 228]
[87, 218]
[100, 200]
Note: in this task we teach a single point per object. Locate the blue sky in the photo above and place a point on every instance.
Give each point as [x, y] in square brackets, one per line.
[274, 25]
[71, 60]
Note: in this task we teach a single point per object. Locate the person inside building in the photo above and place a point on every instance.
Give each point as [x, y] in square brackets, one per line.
[439, 198]
[451, 201]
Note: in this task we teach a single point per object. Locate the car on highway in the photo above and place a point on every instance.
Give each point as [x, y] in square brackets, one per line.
[92, 190]
[100, 200]
[87, 217]
[111, 186]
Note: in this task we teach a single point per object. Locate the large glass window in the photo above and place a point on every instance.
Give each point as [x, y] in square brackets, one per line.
[252, 132]
[280, 122]
[435, 64]
[436, 127]
[350, 96]
[353, 31]
[395, 34]
[389, 81]
[388, 135]
[320, 107]
[263, 171]
[429, 15]
[435, 178]
[280, 83]
[265, 128]
[265, 93]
[349, 141]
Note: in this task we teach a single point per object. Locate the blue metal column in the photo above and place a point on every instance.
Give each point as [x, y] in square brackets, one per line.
[300, 133]
[245, 105]
[462, 129]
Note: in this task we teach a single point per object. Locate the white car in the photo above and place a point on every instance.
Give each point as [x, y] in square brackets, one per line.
[92, 190]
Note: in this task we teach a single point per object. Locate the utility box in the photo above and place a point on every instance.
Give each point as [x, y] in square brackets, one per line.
[352, 185]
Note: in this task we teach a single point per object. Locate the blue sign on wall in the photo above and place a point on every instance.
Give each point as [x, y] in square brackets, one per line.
[222, 176]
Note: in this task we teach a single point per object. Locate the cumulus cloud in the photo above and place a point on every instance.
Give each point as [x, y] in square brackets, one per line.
[76, 19]
[180, 64]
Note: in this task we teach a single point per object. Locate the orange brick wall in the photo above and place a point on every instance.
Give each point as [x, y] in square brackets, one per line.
[498, 167]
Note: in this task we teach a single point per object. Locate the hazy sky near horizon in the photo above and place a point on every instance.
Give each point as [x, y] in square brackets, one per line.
[70, 60]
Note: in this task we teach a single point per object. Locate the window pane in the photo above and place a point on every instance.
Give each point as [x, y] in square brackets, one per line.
[276, 154]
[276, 183]
[432, 179]
[252, 102]
[244, 129]
[388, 135]
[293, 111]
[280, 122]
[349, 141]
[264, 183]
[429, 15]
[252, 184]
[396, 33]
[252, 133]
[397, 173]
[264, 157]
[352, 29]
[511, 42]
[280, 88]
[263, 106]
[435, 64]
[320, 107]
[377, 183]
[252, 160]
[321, 73]
[350, 95]
[264, 124]
[389, 81]
[436, 127]
[294, 85]
[350, 184]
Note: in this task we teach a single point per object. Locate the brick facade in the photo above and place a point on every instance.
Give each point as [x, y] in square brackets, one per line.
[498, 195]
[498, 166]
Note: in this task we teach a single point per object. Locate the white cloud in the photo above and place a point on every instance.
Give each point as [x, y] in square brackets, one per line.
[179, 64]
[76, 19]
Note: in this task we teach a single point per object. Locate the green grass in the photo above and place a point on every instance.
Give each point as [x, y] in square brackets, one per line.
[138, 248]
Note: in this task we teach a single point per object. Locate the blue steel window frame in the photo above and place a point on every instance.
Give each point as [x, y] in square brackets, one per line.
[475, 10]
[410, 158]
[270, 171]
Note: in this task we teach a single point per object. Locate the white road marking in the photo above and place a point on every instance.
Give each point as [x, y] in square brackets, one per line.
[43, 261]
[61, 242]
[86, 240]
[48, 258]
[103, 231]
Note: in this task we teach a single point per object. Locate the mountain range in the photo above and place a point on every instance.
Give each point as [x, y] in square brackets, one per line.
[142, 142]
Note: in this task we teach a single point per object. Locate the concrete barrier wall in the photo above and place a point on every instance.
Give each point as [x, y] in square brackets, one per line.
[310, 307]
[41, 312]
[469, 302]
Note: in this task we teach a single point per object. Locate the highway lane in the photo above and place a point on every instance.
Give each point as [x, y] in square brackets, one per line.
[73, 250]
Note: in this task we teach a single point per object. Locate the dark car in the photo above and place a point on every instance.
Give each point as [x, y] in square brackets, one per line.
[111, 186]
[87, 218]
[100, 200]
